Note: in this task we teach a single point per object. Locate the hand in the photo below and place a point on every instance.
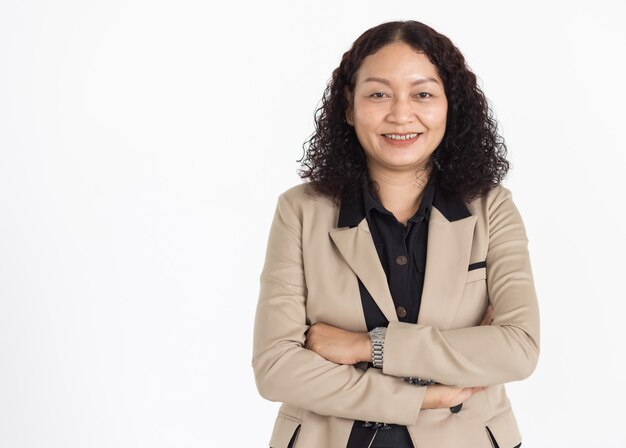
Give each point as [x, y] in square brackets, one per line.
[488, 318]
[440, 396]
[338, 345]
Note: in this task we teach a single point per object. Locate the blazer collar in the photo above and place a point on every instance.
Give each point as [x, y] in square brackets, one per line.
[450, 237]
[450, 205]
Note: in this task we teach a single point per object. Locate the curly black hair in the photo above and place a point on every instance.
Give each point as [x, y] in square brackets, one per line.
[471, 157]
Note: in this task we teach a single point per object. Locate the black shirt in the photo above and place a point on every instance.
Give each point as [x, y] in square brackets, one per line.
[402, 253]
[401, 249]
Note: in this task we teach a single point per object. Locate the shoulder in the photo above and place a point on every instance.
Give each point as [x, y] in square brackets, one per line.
[498, 215]
[303, 195]
[302, 200]
[297, 192]
[495, 208]
[490, 201]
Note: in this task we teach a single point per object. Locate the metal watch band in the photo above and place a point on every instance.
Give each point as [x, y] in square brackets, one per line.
[377, 336]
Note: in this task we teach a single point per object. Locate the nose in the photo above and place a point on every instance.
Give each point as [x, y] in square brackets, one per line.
[402, 111]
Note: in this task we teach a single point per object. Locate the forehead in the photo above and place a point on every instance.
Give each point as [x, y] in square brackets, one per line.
[397, 62]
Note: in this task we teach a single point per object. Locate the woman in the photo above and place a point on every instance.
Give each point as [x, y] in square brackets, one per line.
[397, 295]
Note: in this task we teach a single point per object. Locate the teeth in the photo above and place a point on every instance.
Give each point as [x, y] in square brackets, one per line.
[400, 137]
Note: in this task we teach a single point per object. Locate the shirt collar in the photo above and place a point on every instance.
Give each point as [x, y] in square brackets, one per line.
[451, 206]
[371, 202]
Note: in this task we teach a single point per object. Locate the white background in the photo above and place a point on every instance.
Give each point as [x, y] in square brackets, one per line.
[143, 145]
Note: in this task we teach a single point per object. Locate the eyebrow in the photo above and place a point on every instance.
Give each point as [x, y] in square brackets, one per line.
[386, 82]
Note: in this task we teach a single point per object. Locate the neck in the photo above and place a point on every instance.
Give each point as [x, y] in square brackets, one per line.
[400, 193]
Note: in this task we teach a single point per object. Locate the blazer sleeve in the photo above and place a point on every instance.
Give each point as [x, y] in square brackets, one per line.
[285, 371]
[505, 351]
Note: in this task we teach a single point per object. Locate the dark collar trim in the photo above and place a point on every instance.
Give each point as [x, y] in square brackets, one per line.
[451, 206]
[351, 212]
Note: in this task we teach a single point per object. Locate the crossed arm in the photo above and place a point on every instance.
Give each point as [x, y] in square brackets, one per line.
[347, 347]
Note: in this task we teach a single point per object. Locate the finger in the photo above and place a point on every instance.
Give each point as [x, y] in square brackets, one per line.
[464, 395]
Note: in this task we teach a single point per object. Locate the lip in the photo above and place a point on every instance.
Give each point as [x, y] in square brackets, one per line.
[407, 142]
[401, 133]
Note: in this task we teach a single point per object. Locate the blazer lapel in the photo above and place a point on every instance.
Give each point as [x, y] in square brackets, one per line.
[357, 247]
[448, 254]
[450, 236]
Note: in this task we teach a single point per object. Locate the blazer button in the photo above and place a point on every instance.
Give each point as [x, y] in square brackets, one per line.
[401, 311]
[401, 260]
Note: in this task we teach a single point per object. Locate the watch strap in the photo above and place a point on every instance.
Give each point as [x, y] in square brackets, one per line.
[377, 336]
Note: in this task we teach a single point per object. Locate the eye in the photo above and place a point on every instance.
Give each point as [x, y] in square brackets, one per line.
[377, 95]
[420, 95]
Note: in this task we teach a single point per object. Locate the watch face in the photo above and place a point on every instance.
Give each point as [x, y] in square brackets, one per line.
[379, 331]
[376, 336]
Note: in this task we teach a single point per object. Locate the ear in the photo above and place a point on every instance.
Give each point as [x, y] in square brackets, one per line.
[349, 114]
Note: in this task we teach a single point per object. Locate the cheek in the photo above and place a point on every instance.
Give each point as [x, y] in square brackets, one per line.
[435, 118]
[368, 115]
[367, 123]
[365, 139]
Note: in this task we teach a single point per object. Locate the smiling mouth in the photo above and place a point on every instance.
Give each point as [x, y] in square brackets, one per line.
[402, 137]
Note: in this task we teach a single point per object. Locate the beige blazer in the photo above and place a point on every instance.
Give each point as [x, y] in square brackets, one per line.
[310, 274]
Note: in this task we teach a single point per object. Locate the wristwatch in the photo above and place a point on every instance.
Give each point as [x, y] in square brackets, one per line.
[377, 336]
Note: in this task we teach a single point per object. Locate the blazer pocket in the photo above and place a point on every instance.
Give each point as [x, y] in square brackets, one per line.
[503, 432]
[285, 433]
[476, 274]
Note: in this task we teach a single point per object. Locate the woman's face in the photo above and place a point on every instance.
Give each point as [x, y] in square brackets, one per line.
[398, 109]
